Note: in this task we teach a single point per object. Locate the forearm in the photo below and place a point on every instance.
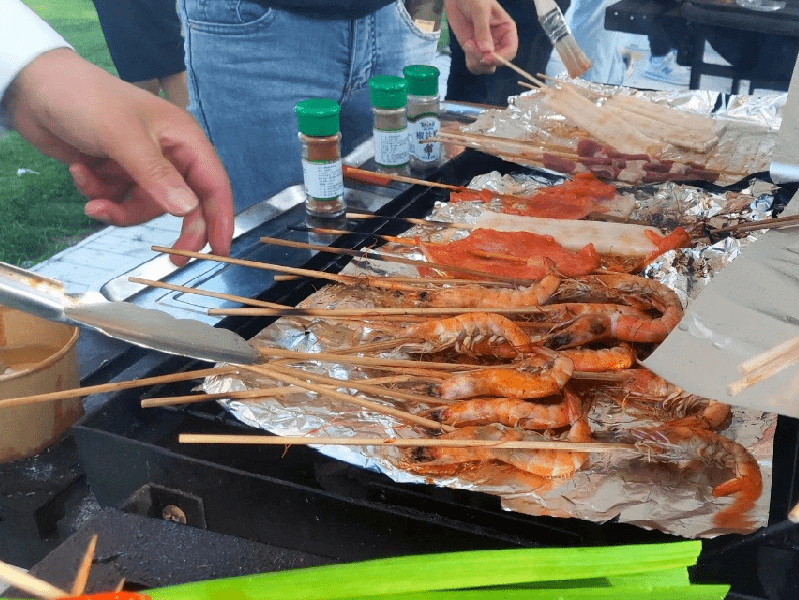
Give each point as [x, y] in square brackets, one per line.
[23, 37]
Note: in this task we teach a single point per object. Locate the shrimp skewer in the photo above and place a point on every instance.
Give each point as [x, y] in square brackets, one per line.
[688, 443]
[606, 359]
[530, 378]
[475, 296]
[511, 412]
[467, 330]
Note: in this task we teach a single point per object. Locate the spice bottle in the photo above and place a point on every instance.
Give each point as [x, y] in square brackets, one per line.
[423, 117]
[318, 120]
[388, 94]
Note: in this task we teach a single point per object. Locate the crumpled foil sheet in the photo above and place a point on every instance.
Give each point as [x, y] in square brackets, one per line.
[747, 126]
[620, 486]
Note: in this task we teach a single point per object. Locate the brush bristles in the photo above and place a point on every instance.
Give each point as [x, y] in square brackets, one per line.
[574, 59]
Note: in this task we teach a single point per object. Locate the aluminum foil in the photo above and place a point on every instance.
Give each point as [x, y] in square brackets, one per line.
[670, 495]
[747, 126]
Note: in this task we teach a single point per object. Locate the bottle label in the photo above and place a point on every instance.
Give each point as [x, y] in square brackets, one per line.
[419, 130]
[323, 179]
[391, 147]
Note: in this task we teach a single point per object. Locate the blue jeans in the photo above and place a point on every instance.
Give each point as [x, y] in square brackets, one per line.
[249, 65]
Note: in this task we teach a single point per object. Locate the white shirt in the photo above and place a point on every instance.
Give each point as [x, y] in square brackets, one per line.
[23, 37]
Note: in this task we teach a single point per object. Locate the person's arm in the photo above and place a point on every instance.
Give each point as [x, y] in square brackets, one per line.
[134, 155]
[482, 27]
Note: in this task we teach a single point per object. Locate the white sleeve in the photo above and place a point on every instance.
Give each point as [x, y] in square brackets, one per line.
[23, 37]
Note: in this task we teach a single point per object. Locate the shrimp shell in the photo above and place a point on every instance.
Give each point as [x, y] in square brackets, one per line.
[466, 330]
[605, 359]
[528, 379]
[511, 412]
[687, 443]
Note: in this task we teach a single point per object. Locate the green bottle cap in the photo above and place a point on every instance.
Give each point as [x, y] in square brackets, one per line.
[318, 117]
[388, 91]
[422, 80]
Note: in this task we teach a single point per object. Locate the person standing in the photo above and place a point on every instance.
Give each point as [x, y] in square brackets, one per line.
[249, 62]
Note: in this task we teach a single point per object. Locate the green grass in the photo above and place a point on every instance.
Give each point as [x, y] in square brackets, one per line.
[41, 213]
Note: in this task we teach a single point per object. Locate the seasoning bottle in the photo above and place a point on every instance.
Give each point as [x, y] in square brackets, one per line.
[388, 94]
[424, 121]
[318, 120]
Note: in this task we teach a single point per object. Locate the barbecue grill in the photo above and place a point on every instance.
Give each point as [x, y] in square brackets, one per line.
[314, 506]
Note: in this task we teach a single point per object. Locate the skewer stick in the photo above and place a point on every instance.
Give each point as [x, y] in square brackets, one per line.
[366, 361]
[29, 584]
[775, 223]
[519, 70]
[255, 394]
[82, 576]
[199, 438]
[354, 173]
[189, 290]
[761, 360]
[369, 312]
[117, 386]
[761, 367]
[280, 375]
[411, 220]
[378, 255]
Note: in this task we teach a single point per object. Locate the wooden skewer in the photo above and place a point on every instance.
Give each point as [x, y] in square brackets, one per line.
[199, 438]
[519, 70]
[761, 360]
[280, 375]
[254, 394]
[29, 584]
[82, 576]
[411, 220]
[120, 586]
[765, 365]
[776, 223]
[365, 313]
[116, 386]
[366, 361]
[378, 255]
[189, 290]
[355, 173]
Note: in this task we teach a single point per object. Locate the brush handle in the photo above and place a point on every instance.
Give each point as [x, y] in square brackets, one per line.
[552, 20]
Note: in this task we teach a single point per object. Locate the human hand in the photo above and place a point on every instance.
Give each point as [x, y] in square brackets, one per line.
[134, 155]
[482, 27]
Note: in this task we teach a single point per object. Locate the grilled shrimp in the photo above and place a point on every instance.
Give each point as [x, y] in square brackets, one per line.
[688, 443]
[605, 359]
[535, 376]
[476, 296]
[511, 412]
[544, 463]
[466, 330]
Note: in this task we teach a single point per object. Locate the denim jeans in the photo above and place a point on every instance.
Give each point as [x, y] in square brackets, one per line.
[248, 66]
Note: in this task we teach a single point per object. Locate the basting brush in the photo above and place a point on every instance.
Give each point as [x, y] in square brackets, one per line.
[554, 24]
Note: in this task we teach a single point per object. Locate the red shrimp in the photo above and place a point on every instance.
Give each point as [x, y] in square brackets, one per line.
[466, 330]
[511, 412]
[605, 359]
[529, 378]
[544, 463]
[475, 296]
[689, 443]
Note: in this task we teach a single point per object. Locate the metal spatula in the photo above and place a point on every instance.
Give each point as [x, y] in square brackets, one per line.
[146, 327]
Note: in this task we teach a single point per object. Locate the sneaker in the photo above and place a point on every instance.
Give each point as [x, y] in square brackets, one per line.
[665, 68]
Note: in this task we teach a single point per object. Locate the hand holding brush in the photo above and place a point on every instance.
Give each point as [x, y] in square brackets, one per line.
[482, 27]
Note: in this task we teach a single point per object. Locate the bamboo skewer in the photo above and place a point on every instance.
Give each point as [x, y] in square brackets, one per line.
[117, 386]
[199, 438]
[364, 313]
[366, 361]
[189, 290]
[253, 394]
[29, 584]
[279, 374]
[82, 576]
[776, 223]
[374, 254]
[765, 365]
[519, 70]
[411, 220]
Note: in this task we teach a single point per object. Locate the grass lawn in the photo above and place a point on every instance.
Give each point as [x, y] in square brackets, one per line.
[41, 213]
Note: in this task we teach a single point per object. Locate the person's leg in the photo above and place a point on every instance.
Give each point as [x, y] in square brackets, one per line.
[247, 67]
